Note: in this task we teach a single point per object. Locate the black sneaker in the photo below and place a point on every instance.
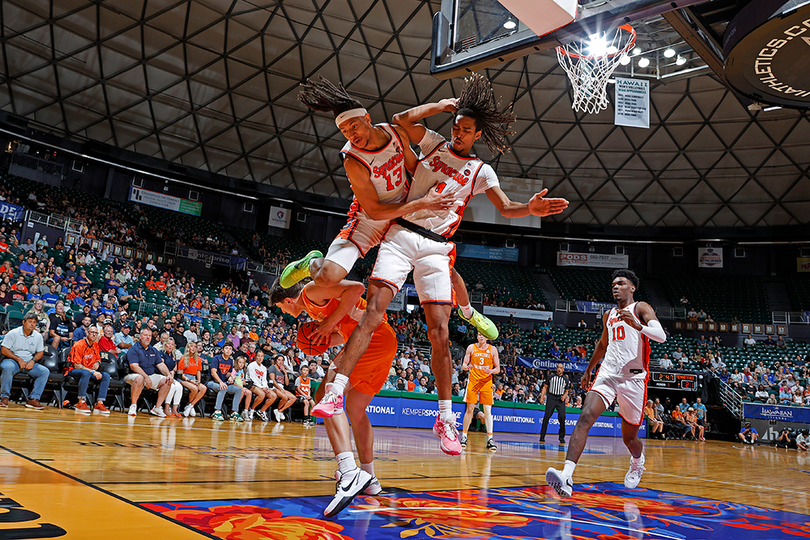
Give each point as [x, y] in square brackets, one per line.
[348, 487]
[491, 445]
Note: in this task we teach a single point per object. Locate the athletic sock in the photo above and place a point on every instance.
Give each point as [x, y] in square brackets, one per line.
[568, 469]
[368, 467]
[446, 410]
[489, 436]
[345, 461]
[466, 310]
[339, 384]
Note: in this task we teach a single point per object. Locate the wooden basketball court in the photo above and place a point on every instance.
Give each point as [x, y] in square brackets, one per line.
[64, 475]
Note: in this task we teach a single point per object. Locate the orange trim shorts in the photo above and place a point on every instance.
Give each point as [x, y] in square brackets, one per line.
[371, 371]
[479, 391]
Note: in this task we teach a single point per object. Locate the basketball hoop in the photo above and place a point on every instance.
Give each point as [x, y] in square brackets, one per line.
[590, 62]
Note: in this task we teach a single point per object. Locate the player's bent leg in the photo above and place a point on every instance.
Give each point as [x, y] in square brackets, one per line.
[326, 273]
[636, 447]
[562, 481]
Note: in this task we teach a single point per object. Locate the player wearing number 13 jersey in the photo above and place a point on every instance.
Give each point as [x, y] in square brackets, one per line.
[625, 352]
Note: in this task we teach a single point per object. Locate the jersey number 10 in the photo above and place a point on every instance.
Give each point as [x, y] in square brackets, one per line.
[618, 333]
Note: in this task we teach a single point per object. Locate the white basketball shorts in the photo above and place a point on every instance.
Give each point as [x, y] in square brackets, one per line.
[631, 394]
[359, 235]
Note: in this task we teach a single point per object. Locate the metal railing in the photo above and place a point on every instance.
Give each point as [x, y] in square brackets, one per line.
[731, 400]
[790, 317]
[56, 221]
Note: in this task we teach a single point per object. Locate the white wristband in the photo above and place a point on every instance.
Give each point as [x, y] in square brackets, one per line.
[654, 331]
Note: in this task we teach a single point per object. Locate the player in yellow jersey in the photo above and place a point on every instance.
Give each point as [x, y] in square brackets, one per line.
[339, 308]
[482, 361]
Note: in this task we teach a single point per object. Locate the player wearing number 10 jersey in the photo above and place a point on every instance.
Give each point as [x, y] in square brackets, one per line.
[625, 353]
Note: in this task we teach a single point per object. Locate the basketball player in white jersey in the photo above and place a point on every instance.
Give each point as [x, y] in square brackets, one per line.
[376, 158]
[421, 241]
[481, 360]
[625, 353]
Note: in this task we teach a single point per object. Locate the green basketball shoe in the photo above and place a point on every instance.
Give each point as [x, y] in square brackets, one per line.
[482, 323]
[298, 270]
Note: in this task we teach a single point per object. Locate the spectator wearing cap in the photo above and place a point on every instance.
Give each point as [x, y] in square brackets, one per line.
[22, 348]
[19, 290]
[692, 421]
[123, 339]
[191, 334]
[85, 359]
[178, 334]
[148, 371]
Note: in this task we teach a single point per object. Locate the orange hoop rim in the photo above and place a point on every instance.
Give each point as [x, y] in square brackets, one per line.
[626, 27]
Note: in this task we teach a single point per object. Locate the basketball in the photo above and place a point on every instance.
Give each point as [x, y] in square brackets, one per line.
[304, 341]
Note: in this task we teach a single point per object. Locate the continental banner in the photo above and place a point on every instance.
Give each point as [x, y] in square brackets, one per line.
[595, 260]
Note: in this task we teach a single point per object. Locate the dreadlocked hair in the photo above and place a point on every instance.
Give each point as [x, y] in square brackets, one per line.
[326, 97]
[478, 102]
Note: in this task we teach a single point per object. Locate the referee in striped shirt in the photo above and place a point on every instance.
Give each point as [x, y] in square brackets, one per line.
[555, 393]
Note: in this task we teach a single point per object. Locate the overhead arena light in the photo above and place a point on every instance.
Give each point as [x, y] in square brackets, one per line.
[624, 60]
[680, 61]
[643, 62]
[637, 51]
[597, 45]
[510, 24]
[669, 53]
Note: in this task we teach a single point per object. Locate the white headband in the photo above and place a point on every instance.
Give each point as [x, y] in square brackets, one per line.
[351, 113]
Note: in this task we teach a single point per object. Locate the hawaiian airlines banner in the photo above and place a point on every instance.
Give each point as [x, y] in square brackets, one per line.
[710, 257]
[777, 412]
[519, 313]
[597, 260]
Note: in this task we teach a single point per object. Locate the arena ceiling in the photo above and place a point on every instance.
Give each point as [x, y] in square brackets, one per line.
[212, 84]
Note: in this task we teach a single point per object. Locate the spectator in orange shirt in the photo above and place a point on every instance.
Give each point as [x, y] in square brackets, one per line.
[189, 375]
[6, 269]
[85, 360]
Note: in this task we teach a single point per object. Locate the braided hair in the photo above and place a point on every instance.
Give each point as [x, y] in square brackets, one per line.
[326, 97]
[477, 101]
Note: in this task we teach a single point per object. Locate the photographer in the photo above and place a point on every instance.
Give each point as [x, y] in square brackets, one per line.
[748, 434]
[802, 440]
[784, 440]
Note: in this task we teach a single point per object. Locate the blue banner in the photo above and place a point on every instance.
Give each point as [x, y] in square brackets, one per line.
[594, 307]
[471, 251]
[11, 211]
[551, 363]
[780, 413]
[202, 256]
[408, 412]
[410, 290]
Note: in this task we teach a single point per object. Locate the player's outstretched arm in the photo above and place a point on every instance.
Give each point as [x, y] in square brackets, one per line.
[366, 194]
[409, 119]
[537, 205]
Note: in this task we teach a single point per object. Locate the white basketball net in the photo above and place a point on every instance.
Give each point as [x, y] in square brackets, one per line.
[589, 70]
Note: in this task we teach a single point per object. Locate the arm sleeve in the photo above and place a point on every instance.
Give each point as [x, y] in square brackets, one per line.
[654, 331]
[486, 179]
[430, 141]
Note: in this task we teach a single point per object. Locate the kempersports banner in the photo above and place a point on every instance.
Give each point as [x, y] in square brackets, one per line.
[779, 413]
[519, 313]
[551, 363]
[167, 202]
[596, 260]
[402, 409]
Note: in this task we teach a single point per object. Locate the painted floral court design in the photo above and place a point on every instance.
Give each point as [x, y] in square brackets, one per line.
[602, 511]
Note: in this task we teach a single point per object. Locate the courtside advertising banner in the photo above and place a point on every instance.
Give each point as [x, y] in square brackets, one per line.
[406, 412]
[777, 413]
[595, 260]
[632, 103]
[551, 363]
[280, 217]
[710, 257]
[167, 202]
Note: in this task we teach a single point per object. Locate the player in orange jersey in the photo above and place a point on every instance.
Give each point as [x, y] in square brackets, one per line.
[482, 361]
[339, 308]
